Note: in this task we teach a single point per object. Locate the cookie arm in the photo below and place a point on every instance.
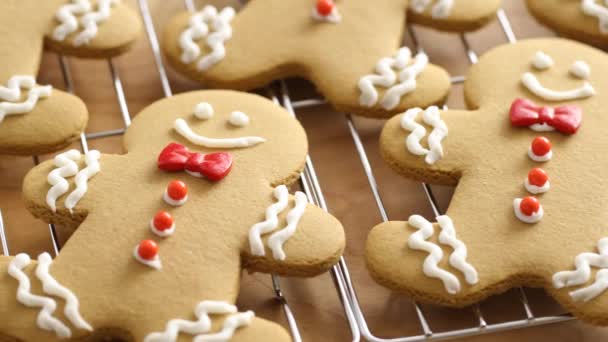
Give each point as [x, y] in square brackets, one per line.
[427, 152]
[315, 246]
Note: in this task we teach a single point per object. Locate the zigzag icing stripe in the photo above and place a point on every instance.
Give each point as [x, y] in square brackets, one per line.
[385, 76]
[458, 258]
[66, 167]
[200, 326]
[582, 274]
[591, 8]
[272, 221]
[230, 325]
[442, 8]
[431, 117]
[430, 267]
[277, 239]
[13, 93]
[45, 319]
[407, 77]
[82, 179]
[199, 29]
[52, 287]
[69, 23]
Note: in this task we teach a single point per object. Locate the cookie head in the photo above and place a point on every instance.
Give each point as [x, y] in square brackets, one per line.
[544, 71]
[252, 133]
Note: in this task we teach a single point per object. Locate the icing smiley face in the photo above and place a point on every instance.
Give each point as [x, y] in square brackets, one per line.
[579, 69]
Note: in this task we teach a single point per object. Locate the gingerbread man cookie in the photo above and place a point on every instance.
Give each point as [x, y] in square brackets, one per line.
[350, 50]
[35, 118]
[528, 162]
[453, 15]
[584, 20]
[164, 231]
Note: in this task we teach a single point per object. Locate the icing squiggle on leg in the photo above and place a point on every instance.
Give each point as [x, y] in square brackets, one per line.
[597, 288]
[277, 239]
[91, 21]
[458, 258]
[66, 167]
[385, 76]
[66, 15]
[230, 325]
[45, 319]
[408, 122]
[13, 93]
[272, 221]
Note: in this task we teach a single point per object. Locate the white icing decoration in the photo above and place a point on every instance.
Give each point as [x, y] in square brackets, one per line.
[154, 263]
[90, 20]
[181, 126]
[334, 17]
[12, 92]
[175, 203]
[540, 159]
[582, 274]
[591, 8]
[458, 258]
[66, 167]
[199, 29]
[238, 119]
[431, 117]
[542, 61]
[230, 325]
[162, 233]
[535, 189]
[530, 81]
[430, 267]
[277, 239]
[272, 221]
[534, 218]
[93, 167]
[203, 323]
[440, 10]
[386, 77]
[45, 319]
[203, 111]
[52, 287]
[581, 70]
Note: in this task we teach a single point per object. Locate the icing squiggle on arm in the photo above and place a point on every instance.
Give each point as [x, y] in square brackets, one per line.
[593, 9]
[52, 287]
[13, 93]
[45, 319]
[276, 240]
[430, 267]
[230, 325]
[412, 142]
[407, 77]
[82, 178]
[272, 221]
[431, 117]
[203, 324]
[600, 285]
[66, 167]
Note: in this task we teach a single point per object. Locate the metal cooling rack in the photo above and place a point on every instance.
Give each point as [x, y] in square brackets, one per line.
[310, 185]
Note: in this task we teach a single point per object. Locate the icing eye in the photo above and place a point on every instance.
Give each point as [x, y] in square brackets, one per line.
[238, 119]
[580, 69]
[542, 61]
[203, 111]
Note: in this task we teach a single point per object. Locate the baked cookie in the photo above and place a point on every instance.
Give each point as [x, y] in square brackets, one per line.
[164, 230]
[528, 164]
[584, 20]
[348, 49]
[37, 119]
[453, 15]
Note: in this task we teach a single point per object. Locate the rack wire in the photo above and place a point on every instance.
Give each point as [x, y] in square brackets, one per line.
[309, 182]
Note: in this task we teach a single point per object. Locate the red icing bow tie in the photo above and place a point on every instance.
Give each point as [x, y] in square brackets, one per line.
[565, 119]
[213, 166]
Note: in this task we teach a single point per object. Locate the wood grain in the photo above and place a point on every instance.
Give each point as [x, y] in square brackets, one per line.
[315, 302]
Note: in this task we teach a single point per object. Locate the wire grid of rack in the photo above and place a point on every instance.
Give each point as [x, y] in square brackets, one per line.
[310, 185]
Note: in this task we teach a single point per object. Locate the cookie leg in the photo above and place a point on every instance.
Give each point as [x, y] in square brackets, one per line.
[316, 244]
[54, 123]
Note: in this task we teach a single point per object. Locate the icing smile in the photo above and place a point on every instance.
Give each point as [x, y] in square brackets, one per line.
[182, 127]
[532, 83]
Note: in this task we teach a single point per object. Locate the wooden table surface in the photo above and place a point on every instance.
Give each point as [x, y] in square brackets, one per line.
[315, 302]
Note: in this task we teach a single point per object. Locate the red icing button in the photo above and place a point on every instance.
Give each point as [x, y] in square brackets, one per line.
[177, 190]
[163, 220]
[541, 146]
[529, 205]
[324, 7]
[147, 249]
[538, 177]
